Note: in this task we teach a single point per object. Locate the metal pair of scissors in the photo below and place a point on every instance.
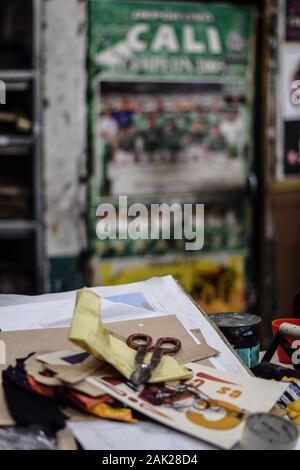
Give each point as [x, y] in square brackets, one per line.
[143, 344]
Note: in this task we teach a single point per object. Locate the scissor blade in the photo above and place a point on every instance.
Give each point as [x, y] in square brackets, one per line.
[141, 375]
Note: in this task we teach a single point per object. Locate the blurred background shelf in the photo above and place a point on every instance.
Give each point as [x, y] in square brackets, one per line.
[11, 140]
[16, 228]
[21, 195]
[17, 75]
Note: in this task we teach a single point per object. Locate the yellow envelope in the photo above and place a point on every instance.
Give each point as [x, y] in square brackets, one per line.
[89, 333]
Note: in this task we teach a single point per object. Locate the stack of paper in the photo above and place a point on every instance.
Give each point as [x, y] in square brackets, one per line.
[210, 406]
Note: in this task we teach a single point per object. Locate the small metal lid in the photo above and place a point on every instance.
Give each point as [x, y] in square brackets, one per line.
[234, 319]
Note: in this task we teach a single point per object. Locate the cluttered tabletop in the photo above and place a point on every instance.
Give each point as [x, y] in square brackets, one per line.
[80, 369]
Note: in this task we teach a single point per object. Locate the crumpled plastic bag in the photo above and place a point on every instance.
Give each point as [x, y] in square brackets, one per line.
[31, 438]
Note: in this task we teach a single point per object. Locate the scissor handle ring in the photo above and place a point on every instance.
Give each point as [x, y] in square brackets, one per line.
[169, 340]
[133, 341]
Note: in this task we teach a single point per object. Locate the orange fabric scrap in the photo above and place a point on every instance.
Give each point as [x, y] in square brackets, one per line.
[101, 406]
[40, 388]
[86, 401]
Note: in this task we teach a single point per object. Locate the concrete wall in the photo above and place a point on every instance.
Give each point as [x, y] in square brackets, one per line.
[65, 24]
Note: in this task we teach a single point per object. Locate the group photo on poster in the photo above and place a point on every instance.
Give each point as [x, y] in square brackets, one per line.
[144, 127]
[171, 93]
[171, 117]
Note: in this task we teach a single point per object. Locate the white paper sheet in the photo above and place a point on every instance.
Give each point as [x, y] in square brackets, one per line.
[58, 314]
[229, 398]
[163, 294]
[183, 307]
[108, 435]
[146, 435]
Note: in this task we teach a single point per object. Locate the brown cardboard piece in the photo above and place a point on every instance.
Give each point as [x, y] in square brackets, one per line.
[35, 368]
[21, 343]
[200, 337]
[168, 325]
[75, 374]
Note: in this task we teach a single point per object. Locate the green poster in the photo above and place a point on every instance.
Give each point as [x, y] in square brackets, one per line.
[182, 40]
[171, 93]
[171, 88]
[170, 110]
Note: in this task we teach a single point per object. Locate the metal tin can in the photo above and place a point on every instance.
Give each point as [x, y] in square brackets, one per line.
[242, 332]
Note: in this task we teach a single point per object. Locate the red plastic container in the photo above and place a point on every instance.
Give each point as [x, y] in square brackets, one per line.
[282, 355]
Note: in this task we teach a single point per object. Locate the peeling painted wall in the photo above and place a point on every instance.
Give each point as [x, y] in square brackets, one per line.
[65, 124]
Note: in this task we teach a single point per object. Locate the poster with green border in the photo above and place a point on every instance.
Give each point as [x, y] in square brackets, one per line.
[171, 96]
[177, 40]
[171, 89]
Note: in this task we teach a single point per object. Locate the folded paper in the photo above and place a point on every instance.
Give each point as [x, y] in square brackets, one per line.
[74, 374]
[89, 333]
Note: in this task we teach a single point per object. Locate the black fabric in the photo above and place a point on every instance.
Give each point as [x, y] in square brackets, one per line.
[25, 405]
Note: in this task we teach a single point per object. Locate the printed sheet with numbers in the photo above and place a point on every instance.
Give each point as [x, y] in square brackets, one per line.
[211, 406]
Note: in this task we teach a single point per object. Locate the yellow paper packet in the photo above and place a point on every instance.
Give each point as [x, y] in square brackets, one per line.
[293, 411]
[89, 333]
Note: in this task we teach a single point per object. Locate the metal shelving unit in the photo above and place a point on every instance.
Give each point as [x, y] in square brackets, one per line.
[17, 75]
[33, 228]
[10, 140]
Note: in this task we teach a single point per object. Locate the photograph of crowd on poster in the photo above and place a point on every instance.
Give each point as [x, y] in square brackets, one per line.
[171, 93]
[146, 126]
